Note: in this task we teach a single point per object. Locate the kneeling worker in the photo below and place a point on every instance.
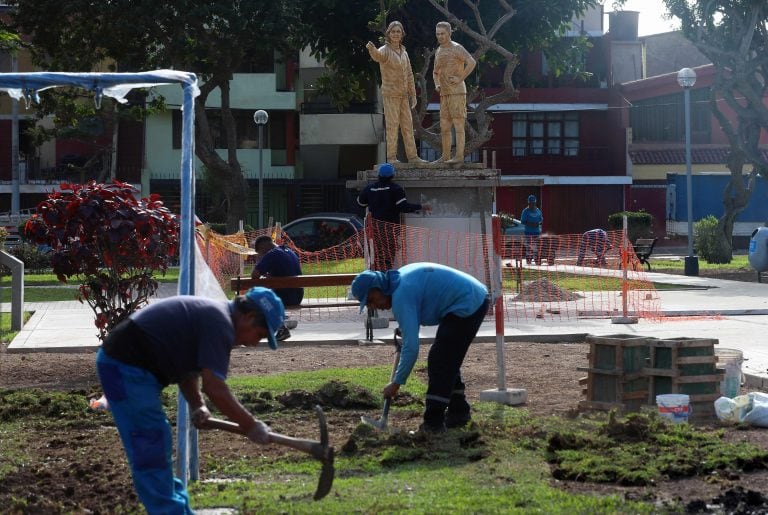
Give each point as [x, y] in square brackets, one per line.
[430, 294]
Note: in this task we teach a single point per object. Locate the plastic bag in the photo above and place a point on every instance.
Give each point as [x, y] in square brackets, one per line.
[758, 415]
[751, 409]
[732, 410]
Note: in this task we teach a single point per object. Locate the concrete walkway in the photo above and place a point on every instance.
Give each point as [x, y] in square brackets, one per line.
[738, 318]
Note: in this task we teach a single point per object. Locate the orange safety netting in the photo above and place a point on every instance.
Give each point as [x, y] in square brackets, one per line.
[552, 277]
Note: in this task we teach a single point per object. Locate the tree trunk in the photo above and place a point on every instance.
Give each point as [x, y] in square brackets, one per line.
[228, 174]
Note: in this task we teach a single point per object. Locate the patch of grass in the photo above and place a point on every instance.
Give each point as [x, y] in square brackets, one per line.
[643, 448]
[739, 263]
[12, 447]
[582, 282]
[6, 335]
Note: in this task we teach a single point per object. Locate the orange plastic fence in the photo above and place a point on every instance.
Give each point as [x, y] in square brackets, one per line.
[552, 277]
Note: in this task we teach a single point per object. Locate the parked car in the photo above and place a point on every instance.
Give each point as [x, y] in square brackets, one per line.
[322, 230]
[512, 226]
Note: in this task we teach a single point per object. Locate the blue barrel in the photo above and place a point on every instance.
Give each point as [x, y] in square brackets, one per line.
[758, 249]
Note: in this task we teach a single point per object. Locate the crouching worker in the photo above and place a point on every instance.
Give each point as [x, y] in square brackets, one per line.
[596, 241]
[180, 340]
[430, 294]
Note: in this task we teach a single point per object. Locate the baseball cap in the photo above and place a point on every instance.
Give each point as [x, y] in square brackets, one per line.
[386, 170]
[271, 307]
[531, 198]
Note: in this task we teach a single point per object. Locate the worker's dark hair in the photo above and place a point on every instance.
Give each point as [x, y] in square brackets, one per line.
[243, 305]
[260, 240]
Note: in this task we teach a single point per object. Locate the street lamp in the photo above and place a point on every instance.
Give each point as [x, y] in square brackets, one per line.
[260, 118]
[687, 78]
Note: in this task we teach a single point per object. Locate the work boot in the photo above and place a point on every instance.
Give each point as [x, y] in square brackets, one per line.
[433, 429]
[282, 334]
[416, 159]
[458, 414]
[393, 160]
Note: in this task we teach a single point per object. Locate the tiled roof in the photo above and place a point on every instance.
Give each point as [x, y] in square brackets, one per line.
[677, 156]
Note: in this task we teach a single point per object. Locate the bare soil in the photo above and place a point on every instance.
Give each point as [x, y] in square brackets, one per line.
[83, 470]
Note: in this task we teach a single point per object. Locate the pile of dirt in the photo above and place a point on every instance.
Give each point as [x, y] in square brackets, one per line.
[543, 290]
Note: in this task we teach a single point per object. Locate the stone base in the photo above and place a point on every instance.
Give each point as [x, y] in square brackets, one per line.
[370, 342]
[624, 320]
[510, 396]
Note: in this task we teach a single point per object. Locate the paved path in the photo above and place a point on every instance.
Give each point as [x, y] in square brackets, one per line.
[742, 324]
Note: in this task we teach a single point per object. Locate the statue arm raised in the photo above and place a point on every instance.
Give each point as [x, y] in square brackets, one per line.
[374, 52]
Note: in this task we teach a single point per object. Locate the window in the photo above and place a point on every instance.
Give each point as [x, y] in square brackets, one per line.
[662, 119]
[247, 130]
[539, 134]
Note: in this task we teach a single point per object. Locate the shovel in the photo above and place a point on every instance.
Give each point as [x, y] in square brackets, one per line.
[381, 424]
[319, 450]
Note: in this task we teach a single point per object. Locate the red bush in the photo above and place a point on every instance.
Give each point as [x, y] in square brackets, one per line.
[110, 241]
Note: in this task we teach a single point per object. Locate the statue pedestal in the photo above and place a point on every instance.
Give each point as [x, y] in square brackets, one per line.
[461, 196]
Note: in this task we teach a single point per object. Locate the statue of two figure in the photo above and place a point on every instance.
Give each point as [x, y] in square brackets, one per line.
[452, 65]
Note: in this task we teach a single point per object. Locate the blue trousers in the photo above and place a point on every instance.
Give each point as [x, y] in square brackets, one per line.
[134, 396]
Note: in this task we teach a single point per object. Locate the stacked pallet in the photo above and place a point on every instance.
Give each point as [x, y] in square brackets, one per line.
[627, 372]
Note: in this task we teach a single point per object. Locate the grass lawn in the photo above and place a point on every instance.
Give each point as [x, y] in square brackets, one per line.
[665, 265]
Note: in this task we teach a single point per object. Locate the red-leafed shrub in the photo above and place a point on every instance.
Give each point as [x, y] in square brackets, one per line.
[109, 241]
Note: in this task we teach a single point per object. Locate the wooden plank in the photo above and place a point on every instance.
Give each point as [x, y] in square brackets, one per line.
[696, 360]
[714, 378]
[294, 281]
[664, 372]
[638, 395]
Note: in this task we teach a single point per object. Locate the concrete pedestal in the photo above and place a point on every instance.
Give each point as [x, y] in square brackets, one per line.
[510, 396]
[461, 196]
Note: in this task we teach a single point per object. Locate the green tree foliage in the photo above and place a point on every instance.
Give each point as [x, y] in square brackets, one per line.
[211, 39]
[733, 35]
[705, 240]
[639, 223]
[110, 241]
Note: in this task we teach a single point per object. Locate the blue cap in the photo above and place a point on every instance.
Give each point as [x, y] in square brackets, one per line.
[386, 170]
[387, 282]
[271, 307]
[532, 198]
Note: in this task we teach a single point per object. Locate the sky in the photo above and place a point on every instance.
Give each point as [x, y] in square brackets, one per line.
[650, 19]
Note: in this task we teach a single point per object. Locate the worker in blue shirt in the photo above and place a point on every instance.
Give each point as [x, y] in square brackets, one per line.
[428, 294]
[278, 261]
[385, 200]
[532, 220]
[182, 340]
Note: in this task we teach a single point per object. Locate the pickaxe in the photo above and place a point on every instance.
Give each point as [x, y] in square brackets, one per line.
[381, 424]
[319, 450]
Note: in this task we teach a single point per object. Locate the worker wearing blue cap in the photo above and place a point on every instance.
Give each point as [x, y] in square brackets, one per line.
[532, 219]
[430, 294]
[179, 340]
[385, 200]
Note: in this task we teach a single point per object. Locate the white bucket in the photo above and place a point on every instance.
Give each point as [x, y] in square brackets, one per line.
[730, 361]
[674, 406]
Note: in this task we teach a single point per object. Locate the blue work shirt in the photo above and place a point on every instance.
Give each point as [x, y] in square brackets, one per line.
[282, 262]
[532, 216]
[428, 292]
[188, 334]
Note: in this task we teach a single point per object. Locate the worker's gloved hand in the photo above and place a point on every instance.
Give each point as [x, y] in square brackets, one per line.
[259, 433]
[200, 416]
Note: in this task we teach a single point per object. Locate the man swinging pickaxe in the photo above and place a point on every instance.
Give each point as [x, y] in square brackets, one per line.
[319, 450]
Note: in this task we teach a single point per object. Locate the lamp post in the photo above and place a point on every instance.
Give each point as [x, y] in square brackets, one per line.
[261, 117]
[687, 78]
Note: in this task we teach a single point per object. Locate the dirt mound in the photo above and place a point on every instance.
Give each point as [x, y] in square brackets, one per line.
[394, 448]
[735, 501]
[543, 290]
[335, 394]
